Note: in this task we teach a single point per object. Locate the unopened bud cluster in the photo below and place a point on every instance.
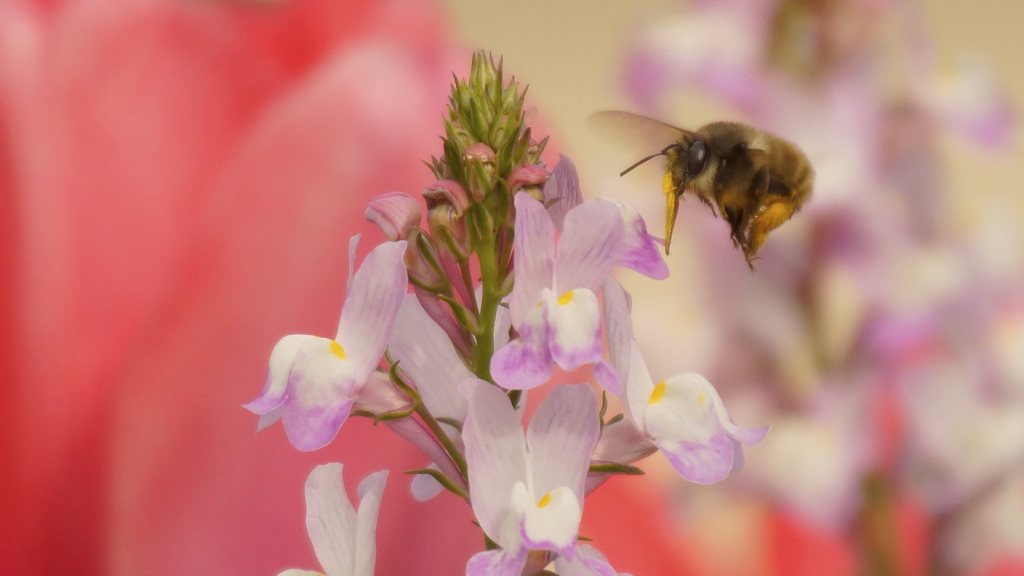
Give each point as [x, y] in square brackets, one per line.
[489, 155]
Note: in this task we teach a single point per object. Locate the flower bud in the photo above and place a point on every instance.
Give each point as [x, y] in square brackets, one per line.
[529, 178]
[481, 164]
[396, 213]
[424, 263]
[447, 201]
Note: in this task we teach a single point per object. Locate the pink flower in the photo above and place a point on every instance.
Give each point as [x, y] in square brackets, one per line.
[685, 417]
[527, 489]
[344, 540]
[553, 302]
[314, 382]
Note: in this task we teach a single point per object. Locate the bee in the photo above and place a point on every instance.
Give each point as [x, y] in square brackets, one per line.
[751, 178]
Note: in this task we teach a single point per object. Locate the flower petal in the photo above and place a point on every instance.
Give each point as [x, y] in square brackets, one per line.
[525, 362]
[621, 442]
[618, 328]
[370, 491]
[276, 387]
[424, 487]
[590, 246]
[372, 304]
[639, 387]
[414, 432]
[497, 563]
[562, 191]
[561, 437]
[587, 562]
[379, 396]
[574, 327]
[424, 351]
[396, 213]
[321, 390]
[535, 237]
[640, 252]
[684, 419]
[330, 520]
[495, 454]
[550, 522]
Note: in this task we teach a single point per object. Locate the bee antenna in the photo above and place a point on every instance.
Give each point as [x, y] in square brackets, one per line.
[662, 153]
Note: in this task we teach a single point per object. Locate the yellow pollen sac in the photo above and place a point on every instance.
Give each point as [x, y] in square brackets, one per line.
[565, 299]
[668, 187]
[338, 351]
[658, 392]
[544, 501]
[700, 397]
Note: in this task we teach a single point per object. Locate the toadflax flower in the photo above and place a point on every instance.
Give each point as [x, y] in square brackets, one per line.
[685, 418]
[313, 382]
[344, 540]
[527, 489]
[554, 302]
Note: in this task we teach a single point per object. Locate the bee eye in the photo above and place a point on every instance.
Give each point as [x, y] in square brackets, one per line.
[696, 157]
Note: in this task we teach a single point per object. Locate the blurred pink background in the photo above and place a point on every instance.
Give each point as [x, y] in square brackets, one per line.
[178, 183]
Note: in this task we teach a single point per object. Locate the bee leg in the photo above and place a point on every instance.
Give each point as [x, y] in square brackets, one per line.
[750, 260]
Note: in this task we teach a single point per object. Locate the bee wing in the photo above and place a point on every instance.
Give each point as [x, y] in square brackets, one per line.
[636, 131]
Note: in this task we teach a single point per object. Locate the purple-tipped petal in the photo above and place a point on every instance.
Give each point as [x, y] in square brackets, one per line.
[495, 454]
[497, 563]
[683, 418]
[535, 256]
[574, 328]
[705, 462]
[424, 351]
[275, 389]
[562, 191]
[525, 362]
[640, 252]
[587, 562]
[321, 390]
[370, 491]
[561, 437]
[590, 246]
[396, 213]
[330, 519]
[371, 307]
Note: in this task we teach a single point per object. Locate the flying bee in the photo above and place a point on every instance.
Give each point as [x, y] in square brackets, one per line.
[753, 179]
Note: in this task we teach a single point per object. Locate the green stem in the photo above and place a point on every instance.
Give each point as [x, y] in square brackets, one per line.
[467, 279]
[491, 279]
[457, 458]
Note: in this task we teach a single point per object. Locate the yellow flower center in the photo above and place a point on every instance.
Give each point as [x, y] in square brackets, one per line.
[565, 298]
[657, 393]
[544, 501]
[338, 351]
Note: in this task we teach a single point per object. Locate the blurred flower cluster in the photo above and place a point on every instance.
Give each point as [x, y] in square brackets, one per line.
[511, 292]
[882, 334]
